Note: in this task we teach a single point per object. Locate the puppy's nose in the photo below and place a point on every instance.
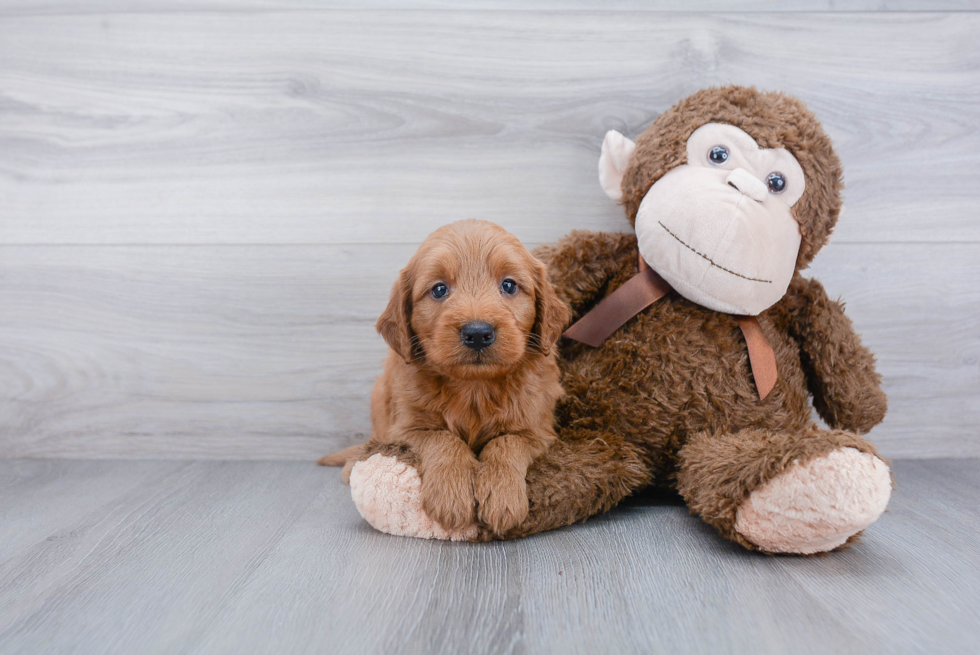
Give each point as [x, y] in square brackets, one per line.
[477, 335]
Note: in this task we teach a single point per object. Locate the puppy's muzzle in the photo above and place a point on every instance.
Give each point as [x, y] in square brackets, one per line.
[477, 335]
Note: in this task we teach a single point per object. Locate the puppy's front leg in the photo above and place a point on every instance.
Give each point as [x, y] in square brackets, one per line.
[501, 480]
[446, 466]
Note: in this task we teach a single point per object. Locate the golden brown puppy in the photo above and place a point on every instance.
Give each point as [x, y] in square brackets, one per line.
[471, 381]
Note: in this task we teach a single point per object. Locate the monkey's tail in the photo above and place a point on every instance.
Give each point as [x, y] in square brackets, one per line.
[340, 457]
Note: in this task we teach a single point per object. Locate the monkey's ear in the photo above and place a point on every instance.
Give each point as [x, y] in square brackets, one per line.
[395, 323]
[616, 152]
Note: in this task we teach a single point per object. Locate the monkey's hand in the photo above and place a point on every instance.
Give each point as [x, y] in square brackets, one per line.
[840, 370]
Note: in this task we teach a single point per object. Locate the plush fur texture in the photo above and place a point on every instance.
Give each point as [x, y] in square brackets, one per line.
[475, 419]
[691, 410]
[719, 472]
[669, 398]
[815, 507]
[774, 120]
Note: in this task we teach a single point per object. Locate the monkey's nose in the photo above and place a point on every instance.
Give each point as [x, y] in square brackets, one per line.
[477, 335]
[748, 184]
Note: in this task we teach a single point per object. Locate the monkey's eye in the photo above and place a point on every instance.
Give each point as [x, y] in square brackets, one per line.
[718, 155]
[509, 287]
[439, 290]
[776, 182]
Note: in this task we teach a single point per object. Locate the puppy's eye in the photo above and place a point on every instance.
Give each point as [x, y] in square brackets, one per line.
[509, 287]
[439, 291]
[718, 155]
[776, 182]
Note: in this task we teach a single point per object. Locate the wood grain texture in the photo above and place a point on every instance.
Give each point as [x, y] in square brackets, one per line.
[269, 352]
[214, 518]
[32, 495]
[202, 207]
[55, 7]
[354, 127]
[272, 557]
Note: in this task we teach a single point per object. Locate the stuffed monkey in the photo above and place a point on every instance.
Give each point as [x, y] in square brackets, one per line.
[703, 344]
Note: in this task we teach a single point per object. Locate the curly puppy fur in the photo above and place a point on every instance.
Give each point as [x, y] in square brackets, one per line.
[473, 419]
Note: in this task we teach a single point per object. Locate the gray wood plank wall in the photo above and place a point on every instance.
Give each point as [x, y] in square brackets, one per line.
[202, 206]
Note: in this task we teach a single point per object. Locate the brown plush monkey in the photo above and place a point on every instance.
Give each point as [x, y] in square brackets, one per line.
[706, 390]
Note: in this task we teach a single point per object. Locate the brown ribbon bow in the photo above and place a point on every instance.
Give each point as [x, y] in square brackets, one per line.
[646, 288]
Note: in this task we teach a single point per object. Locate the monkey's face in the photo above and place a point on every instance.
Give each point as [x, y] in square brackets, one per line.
[719, 228]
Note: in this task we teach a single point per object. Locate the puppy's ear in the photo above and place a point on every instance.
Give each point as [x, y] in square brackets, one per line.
[551, 313]
[395, 323]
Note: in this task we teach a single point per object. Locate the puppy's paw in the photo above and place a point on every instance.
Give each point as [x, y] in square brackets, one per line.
[447, 496]
[501, 496]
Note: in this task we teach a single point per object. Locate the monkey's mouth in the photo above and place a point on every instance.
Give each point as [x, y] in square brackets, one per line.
[708, 259]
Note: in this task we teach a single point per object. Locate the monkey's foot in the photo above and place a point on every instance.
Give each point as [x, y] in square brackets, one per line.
[388, 494]
[818, 506]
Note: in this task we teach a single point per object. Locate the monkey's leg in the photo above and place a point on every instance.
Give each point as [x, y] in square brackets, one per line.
[581, 475]
[803, 493]
[584, 473]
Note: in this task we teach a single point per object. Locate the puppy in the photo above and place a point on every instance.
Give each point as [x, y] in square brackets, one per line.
[471, 381]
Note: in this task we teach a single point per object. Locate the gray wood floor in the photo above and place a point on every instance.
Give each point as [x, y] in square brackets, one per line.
[235, 557]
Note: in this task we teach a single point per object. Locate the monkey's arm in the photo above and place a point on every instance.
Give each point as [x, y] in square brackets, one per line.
[583, 264]
[840, 371]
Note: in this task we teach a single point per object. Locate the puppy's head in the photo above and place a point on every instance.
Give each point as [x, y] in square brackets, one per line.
[472, 303]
